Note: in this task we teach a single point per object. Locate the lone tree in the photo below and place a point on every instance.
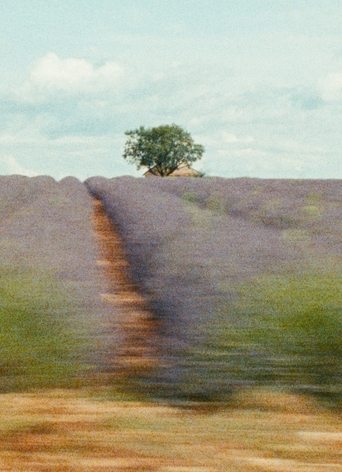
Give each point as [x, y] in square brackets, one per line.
[162, 149]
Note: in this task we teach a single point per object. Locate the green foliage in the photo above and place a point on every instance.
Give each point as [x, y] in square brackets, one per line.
[215, 203]
[162, 149]
[39, 346]
[283, 332]
[190, 197]
[296, 322]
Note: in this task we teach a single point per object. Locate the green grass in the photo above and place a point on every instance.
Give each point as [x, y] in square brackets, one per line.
[300, 329]
[282, 332]
[39, 343]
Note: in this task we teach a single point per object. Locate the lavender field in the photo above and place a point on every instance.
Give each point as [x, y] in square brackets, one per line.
[243, 277]
[170, 324]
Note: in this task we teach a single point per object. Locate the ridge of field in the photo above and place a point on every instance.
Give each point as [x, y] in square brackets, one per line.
[52, 319]
[244, 276]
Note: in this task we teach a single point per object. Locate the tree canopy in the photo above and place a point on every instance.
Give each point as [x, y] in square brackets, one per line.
[162, 149]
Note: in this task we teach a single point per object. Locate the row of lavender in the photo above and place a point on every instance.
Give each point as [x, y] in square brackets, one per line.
[221, 261]
[312, 206]
[184, 258]
[50, 312]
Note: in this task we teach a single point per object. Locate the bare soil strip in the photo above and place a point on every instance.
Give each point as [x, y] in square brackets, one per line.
[66, 430]
[131, 317]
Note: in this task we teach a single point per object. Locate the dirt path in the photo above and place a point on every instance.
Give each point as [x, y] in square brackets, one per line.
[131, 317]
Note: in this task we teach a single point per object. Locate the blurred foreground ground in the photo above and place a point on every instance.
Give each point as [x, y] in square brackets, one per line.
[68, 430]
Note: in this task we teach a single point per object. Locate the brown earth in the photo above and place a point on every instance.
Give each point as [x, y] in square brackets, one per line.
[72, 431]
[137, 350]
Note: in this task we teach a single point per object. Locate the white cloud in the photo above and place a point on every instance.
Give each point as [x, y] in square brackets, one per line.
[51, 74]
[72, 114]
[331, 87]
[230, 138]
[12, 166]
[259, 162]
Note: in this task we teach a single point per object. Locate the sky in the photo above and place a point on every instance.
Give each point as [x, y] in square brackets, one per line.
[257, 82]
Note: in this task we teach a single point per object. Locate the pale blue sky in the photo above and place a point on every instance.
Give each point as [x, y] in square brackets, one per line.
[258, 82]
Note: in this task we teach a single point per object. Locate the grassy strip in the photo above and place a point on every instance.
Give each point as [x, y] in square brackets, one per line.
[290, 338]
[39, 343]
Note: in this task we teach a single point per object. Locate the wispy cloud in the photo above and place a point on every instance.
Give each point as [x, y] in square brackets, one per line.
[231, 138]
[52, 74]
[12, 166]
[331, 87]
[74, 110]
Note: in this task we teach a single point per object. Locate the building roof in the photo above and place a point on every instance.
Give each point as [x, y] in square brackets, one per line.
[182, 171]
